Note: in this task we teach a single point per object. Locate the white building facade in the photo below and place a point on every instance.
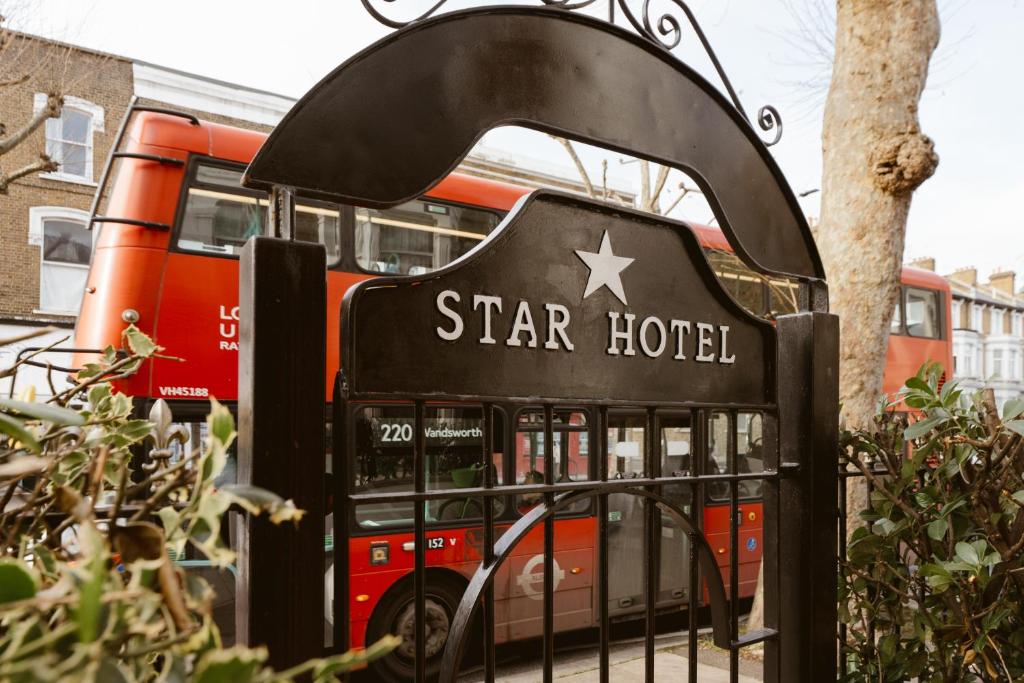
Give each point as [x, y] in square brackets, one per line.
[988, 333]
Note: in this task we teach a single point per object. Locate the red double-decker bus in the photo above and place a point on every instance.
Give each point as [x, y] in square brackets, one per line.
[173, 224]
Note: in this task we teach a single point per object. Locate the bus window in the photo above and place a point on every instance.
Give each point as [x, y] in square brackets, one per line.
[384, 461]
[718, 455]
[922, 307]
[750, 451]
[676, 458]
[746, 286]
[418, 236]
[896, 326]
[571, 453]
[220, 215]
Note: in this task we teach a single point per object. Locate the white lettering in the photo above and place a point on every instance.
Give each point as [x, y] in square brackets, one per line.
[614, 335]
[228, 329]
[704, 331]
[523, 323]
[723, 356]
[224, 315]
[678, 326]
[456, 319]
[662, 339]
[557, 326]
[228, 346]
[488, 302]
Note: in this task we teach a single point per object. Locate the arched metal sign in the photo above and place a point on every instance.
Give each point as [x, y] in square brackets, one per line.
[572, 317]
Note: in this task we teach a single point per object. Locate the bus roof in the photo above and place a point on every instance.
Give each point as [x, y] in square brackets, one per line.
[240, 145]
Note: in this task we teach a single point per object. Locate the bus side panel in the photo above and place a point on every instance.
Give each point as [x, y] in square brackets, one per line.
[198, 323]
[516, 587]
[716, 529]
[338, 283]
[905, 356]
[198, 314]
[119, 279]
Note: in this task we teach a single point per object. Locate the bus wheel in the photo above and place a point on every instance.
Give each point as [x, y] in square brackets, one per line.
[397, 615]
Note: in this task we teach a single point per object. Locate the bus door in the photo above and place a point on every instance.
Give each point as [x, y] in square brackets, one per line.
[574, 527]
[627, 436]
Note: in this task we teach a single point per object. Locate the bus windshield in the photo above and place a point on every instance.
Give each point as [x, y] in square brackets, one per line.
[220, 215]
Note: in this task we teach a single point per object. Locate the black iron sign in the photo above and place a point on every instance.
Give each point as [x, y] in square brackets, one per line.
[568, 300]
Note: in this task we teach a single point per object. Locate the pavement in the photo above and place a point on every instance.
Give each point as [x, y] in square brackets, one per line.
[626, 662]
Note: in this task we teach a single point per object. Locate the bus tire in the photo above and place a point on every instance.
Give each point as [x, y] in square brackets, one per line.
[396, 615]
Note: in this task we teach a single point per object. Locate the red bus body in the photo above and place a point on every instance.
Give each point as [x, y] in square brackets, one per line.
[188, 303]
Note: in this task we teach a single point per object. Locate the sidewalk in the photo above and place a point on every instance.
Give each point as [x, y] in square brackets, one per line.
[627, 664]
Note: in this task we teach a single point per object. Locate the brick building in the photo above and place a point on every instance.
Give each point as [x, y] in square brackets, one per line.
[45, 247]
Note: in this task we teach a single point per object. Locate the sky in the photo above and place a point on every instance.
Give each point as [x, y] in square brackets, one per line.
[966, 215]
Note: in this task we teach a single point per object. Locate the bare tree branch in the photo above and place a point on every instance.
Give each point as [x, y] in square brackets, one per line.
[682, 195]
[659, 184]
[44, 164]
[51, 110]
[584, 176]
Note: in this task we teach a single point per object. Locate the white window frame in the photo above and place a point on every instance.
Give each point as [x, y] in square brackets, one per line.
[997, 322]
[956, 312]
[1017, 324]
[977, 320]
[95, 114]
[36, 217]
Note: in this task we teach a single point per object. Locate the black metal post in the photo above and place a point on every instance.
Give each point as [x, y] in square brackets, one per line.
[281, 408]
[807, 545]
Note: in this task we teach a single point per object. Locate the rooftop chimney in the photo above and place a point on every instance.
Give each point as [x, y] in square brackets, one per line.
[924, 263]
[1003, 281]
[966, 276]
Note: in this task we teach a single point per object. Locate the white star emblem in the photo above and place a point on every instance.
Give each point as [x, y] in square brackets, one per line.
[605, 269]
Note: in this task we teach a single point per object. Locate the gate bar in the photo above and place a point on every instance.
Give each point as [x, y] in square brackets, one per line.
[651, 550]
[281, 408]
[488, 508]
[602, 542]
[549, 546]
[419, 546]
[698, 458]
[732, 425]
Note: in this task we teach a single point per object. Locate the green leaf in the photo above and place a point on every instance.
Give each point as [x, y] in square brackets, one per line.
[17, 581]
[967, 553]
[16, 429]
[1014, 408]
[139, 343]
[42, 411]
[939, 582]
[220, 423]
[1016, 426]
[922, 427]
[229, 665]
[937, 529]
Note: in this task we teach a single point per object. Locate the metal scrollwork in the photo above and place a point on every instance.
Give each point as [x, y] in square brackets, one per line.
[664, 29]
[768, 118]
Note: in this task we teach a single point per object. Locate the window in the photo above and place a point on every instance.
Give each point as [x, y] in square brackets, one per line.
[384, 462]
[896, 325]
[1018, 324]
[65, 249]
[997, 321]
[69, 138]
[570, 455]
[956, 310]
[418, 236]
[220, 215]
[977, 315]
[922, 310]
[997, 364]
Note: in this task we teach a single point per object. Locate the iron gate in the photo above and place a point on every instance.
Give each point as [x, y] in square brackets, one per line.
[537, 318]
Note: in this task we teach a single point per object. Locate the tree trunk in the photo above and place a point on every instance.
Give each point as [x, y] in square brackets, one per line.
[875, 156]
